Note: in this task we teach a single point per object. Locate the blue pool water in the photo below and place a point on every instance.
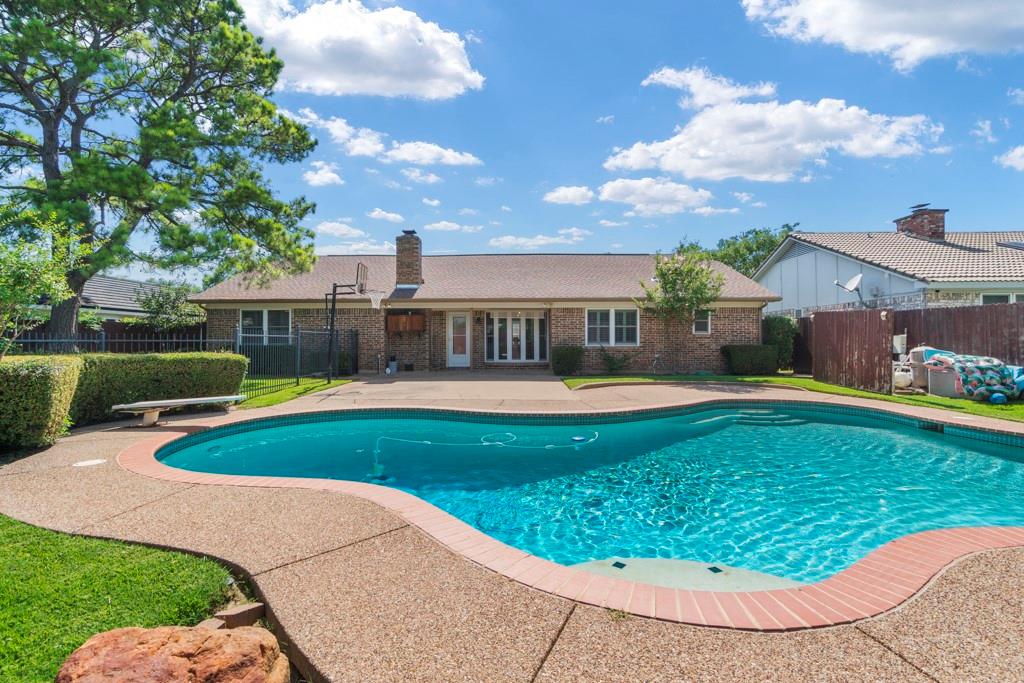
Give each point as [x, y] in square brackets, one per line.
[788, 490]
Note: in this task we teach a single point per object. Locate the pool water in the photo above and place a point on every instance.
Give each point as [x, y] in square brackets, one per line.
[787, 490]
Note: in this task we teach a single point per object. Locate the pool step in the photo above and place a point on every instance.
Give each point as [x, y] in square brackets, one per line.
[774, 420]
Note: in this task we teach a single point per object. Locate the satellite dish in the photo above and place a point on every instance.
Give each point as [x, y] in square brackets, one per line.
[852, 285]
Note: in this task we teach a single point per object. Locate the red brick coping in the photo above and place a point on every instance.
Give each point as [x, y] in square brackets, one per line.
[876, 583]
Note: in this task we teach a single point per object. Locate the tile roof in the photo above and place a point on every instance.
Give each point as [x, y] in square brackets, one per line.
[961, 257]
[114, 293]
[491, 277]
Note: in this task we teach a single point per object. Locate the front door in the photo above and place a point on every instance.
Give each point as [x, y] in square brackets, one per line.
[458, 340]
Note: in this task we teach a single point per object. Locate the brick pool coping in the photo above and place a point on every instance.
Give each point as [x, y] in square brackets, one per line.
[877, 583]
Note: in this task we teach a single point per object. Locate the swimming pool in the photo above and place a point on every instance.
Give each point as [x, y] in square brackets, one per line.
[792, 490]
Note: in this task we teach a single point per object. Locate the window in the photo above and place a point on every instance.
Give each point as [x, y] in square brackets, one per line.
[702, 322]
[613, 327]
[995, 298]
[516, 336]
[262, 326]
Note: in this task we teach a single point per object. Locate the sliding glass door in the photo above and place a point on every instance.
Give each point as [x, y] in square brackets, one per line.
[516, 337]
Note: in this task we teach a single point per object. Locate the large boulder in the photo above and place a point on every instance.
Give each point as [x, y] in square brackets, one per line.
[175, 653]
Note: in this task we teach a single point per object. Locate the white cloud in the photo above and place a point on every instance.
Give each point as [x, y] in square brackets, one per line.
[473, 37]
[506, 208]
[608, 118]
[908, 32]
[323, 173]
[744, 197]
[983, 131]
[1013, 158]
[431, 202]
[704, 88]
[713, 210]
[1016, 95]
[367, 142]
[564, 236]
[654, 196]
[449, 226]
[427, 153]
[616, 245]
[339, 229]
[759, 205]
[567, 236]
[486, 181]
[341, 47]
[418, 176]
[468, 212]
[570, 194]
[605, 223]
[772, 141]
[382, 215]
[360, 247]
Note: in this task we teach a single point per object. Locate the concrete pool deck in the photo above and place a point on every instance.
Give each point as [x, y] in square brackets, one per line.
[363, 595]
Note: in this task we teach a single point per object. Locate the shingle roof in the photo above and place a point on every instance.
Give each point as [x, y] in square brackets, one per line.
[490, 277]
[961, 257]
[114, 293]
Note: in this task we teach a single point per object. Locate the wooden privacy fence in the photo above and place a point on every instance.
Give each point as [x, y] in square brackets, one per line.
[853, 348]
[992, 330]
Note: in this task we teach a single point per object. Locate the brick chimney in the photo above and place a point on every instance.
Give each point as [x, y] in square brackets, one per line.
[924, 222]
[408, 260]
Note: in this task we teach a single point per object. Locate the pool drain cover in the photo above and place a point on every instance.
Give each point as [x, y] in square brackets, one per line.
[715, 570]
[619, 565]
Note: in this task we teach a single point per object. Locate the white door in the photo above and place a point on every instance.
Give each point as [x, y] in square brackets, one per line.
[458, 340]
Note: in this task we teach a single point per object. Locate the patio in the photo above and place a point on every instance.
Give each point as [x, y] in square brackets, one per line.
[370, 597]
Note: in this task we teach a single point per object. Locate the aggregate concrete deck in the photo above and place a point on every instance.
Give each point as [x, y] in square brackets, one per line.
[363, 596]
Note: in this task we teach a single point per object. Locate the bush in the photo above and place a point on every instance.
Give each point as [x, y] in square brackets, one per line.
[108, 379]
[780, 331]
[566, 360]
[752, 359]
[614, 363]
[35, 395]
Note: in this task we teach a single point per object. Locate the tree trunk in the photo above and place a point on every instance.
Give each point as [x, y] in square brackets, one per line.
[64, 322]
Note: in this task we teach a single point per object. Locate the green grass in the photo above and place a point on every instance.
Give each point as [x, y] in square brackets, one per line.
[58, 590]
[1011, 411]
[307, 385]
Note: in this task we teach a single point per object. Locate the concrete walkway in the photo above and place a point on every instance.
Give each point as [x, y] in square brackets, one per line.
[362, 596]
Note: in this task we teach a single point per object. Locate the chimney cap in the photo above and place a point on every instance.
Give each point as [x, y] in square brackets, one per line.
[408, 232]
[918, 207]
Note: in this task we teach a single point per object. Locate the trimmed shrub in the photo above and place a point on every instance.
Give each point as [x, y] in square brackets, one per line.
[780, 331]
[614, 363]
[110, 378]
[35, 395]
[566, 360]
[751, 359]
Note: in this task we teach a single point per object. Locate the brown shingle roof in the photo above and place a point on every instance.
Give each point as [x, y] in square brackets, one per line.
[476, 277]
[961, 257]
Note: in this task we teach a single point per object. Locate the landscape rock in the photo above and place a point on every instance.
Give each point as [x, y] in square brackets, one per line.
[176, 653]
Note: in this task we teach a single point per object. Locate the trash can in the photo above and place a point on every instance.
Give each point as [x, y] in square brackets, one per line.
[918, 370]
[392, 367]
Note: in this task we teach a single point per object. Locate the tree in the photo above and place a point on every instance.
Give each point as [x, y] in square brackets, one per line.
[747, 251]
[168, 308]
[32, 271]
[685, 283]
[148, 122]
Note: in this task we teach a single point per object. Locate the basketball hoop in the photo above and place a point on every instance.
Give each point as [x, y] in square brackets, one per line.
[375, 297]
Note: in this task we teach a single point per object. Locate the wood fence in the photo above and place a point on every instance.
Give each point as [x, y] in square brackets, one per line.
[853, 349]
[992, 330]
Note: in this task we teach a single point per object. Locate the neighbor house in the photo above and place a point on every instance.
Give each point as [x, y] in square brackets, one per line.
[491, 310]
[918, 265]
[114, 298]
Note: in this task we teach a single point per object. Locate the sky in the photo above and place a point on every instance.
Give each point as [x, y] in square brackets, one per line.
[627, 127]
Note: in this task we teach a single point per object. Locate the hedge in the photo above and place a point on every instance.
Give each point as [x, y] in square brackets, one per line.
[35, 395]
[111, 378]
[780, 331]
[566, 360]
[751, 359]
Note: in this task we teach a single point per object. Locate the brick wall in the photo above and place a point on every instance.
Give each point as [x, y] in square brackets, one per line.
[366, 321]
[221, 323]
[665, 347]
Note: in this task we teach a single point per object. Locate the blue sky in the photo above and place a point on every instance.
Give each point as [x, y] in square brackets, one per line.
[599, 126]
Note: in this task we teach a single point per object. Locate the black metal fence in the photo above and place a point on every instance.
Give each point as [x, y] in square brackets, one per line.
[276, 361]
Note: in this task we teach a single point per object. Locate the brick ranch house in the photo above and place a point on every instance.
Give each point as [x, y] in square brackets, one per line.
[492, 310]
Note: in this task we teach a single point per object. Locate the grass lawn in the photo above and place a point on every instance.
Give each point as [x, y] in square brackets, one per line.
[1011, 411]
[307, 385]
[58, 590]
